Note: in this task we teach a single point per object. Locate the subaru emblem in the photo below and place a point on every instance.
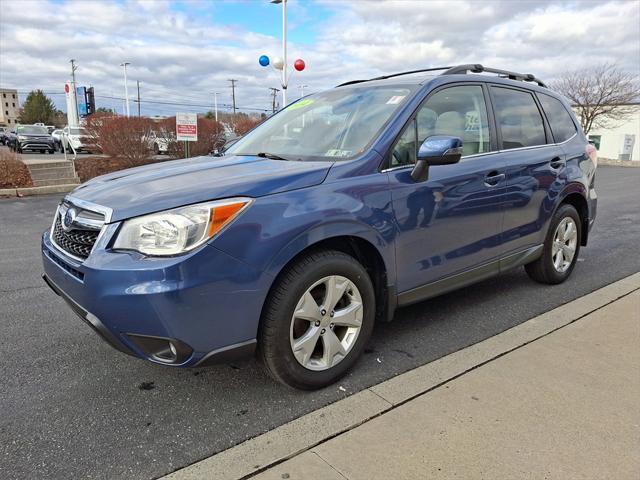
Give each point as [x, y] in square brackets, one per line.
[68, 219]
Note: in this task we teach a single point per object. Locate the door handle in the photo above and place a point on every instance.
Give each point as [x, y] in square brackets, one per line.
[556, 163]
[493, 178]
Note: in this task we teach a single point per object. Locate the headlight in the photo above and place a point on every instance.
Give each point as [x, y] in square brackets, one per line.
[22, 138]
[179, 230]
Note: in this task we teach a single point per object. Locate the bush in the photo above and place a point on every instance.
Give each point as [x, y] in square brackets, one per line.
[210, 137]
[242, 124]
[121, 137]
[13, 173]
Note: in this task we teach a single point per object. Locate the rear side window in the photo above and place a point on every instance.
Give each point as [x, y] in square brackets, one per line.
[560, 120]
[518, 118]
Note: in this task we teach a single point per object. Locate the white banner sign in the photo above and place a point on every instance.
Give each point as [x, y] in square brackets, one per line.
[187, 127]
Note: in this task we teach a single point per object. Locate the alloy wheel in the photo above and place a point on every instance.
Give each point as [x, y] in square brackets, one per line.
[564, 245]
[326, 323]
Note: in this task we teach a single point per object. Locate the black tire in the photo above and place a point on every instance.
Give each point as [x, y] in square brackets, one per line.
[543, 270]
[52, 151]
[274, 348]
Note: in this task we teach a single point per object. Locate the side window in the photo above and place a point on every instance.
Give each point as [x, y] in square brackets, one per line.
[458, 112]
[518, 118]
[559, 119]
[404, 152]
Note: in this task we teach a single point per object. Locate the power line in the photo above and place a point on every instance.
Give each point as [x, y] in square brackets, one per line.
[160, 102]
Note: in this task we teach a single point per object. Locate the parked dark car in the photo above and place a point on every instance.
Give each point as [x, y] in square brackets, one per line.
[3, 135]
[326, 217]
[31, 137]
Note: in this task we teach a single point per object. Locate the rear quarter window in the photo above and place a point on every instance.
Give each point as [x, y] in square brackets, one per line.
[560, 120]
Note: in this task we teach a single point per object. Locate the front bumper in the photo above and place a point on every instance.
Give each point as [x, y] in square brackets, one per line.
[36, 145]
[206, 303]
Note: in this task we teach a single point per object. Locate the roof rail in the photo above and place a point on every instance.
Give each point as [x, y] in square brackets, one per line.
[477, 68]
[384, 77]
[459, 69]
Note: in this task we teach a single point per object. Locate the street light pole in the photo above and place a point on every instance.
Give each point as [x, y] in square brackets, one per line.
[126, 90]
[76, 116]
[284, 50]
[301, 88]
[215, 104]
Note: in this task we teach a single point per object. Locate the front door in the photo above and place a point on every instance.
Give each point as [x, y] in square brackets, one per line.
[453, 221]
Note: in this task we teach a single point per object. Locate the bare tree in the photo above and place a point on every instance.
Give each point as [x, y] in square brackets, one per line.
[603, 94]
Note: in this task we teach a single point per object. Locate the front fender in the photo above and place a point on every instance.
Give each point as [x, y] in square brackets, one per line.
[278, 227]
[334, 229]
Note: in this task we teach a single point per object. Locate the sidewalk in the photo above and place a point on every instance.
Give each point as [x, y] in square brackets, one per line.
[555, 397]
[565, 406]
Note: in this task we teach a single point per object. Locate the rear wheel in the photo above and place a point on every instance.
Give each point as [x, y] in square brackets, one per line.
[561, 248]
[317, 320]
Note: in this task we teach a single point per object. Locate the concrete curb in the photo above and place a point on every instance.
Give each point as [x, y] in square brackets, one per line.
[44, 190]
[260, 453]
[618, 163]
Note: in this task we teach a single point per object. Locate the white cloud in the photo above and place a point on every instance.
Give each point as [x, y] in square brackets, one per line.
[185, 58]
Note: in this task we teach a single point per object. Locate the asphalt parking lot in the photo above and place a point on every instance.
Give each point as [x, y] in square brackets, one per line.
[73, 407]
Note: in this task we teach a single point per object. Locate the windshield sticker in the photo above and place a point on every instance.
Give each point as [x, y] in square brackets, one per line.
[335, 152]
[301, 104]
[395, 100]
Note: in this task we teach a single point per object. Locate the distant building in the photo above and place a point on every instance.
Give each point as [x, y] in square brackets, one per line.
[621, 142]
[10, 107]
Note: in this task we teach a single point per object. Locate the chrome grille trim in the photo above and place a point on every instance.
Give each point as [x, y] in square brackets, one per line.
[83, 234]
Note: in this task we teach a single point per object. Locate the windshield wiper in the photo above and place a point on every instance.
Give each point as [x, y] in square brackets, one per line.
[271, 156]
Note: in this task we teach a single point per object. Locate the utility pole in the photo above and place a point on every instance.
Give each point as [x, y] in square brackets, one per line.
[274, 92]
[138, 81]
[301, 88]
[126, 90]
[233, 93]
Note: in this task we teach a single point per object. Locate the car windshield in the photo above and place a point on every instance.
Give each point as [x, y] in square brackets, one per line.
[77, 131]
[336, 124]
[32, 130]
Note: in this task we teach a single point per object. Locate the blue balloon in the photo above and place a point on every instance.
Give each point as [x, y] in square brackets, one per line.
[264, 60]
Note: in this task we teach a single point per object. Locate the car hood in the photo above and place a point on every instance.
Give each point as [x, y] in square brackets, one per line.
[35, 135]
[161, 186]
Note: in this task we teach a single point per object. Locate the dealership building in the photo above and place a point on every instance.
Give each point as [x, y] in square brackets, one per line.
[621, 141]
[10, 107]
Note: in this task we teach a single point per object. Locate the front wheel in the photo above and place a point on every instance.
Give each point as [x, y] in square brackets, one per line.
[561, 248]
[317, 320]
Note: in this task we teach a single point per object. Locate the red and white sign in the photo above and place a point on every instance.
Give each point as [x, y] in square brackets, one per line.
[187, 127]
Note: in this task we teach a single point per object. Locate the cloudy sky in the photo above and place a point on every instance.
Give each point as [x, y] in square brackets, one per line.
[183, 51]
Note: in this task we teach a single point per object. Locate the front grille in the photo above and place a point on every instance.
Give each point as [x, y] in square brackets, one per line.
[82, 230]
[76, 242]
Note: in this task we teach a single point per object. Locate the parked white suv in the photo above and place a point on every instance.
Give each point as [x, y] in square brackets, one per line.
[71, 139]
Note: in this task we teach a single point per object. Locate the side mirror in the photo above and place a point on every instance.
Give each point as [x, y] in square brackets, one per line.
[436, 150]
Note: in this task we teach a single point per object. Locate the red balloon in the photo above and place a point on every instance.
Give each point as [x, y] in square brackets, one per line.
[299, 65]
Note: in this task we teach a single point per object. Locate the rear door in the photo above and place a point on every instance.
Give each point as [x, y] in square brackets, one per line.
[453, 221]
[535, 167]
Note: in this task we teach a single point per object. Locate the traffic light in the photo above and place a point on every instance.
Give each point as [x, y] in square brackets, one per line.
[91, 101]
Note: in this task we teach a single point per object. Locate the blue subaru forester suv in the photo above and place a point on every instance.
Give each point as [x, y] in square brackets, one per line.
[325, 218]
